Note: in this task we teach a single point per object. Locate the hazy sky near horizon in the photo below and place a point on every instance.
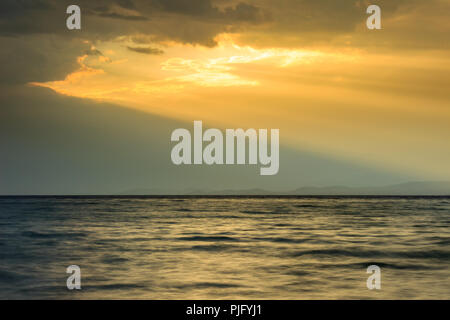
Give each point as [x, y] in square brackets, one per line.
[377, 99]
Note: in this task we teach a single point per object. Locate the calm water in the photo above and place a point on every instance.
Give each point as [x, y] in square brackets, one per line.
[225, 248]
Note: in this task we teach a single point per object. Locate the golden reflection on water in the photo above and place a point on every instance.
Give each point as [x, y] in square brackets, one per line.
[226, 248]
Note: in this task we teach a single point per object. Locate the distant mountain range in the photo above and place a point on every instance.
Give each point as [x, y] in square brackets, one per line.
[410, 188]
[421, 188]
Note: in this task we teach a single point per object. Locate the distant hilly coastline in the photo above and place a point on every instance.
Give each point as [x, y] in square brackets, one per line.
[410, 188]
[418, 188]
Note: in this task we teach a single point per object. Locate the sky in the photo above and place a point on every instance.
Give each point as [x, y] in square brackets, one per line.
[91, 110]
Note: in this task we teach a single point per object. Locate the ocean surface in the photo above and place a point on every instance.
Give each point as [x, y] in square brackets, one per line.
[225, 247]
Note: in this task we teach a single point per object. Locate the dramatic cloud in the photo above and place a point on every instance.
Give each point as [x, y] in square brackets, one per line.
[406, 24]
[36, 45]
[196, 22]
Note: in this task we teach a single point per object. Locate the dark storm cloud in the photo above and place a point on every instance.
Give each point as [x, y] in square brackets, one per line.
[199, 21]
[36, 45]
[146, 50]
[48, 16]
[195, 22]
[37, 58]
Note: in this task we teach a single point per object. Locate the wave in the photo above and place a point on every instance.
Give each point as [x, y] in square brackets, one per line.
[433, 254]
[206, 285]
[208, 238]
[36, 234]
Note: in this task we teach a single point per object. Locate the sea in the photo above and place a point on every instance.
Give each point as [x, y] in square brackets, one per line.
[218, 247]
